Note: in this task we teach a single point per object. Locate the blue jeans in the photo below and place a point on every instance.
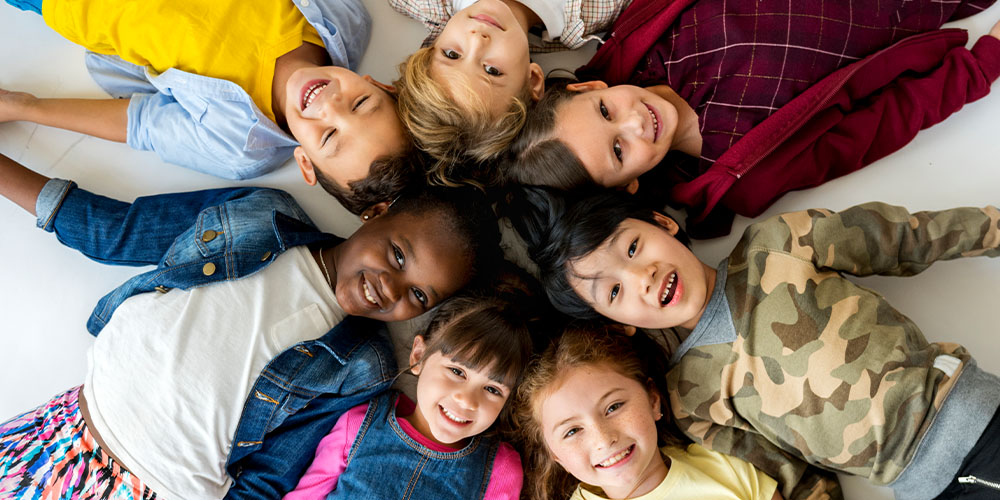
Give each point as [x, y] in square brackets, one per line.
[30, 5]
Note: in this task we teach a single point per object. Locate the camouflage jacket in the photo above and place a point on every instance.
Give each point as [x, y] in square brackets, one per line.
[792, 363]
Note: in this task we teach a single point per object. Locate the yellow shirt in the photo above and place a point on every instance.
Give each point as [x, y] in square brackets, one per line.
[233, 40]
[701, 474]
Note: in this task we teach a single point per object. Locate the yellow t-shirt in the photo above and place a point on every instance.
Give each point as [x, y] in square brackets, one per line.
[701, 474]
[233, 40]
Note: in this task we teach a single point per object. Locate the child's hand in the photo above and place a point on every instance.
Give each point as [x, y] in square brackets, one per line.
[14, 104]
[995, 31]
[819, 491]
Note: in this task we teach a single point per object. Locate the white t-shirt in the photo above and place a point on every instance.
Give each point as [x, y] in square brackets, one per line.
[169, 374]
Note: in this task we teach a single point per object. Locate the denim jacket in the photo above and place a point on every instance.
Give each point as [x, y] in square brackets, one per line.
[203, 237]
[212, 125]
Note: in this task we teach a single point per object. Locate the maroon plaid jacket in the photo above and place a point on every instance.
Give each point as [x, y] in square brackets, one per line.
[739, 63]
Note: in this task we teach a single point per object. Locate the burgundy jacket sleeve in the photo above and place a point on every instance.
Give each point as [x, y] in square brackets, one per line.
[848, 120]
[858, 133]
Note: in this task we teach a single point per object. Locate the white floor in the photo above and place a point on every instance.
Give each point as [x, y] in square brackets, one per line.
[48, 291]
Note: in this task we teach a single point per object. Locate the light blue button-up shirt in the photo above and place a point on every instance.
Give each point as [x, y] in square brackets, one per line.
[212, 125]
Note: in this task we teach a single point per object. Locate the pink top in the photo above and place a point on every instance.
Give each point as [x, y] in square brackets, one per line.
[331, 457]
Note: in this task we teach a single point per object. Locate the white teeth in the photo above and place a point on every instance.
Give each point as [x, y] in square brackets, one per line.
[368, 294]
[451, 417]
[615, 459]
[669, 287]
[656, 123]
[311, 94]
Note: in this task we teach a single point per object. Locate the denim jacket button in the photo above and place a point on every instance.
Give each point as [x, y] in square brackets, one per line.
[208, 236]
[161, 289]
[267, 255]
[208, 269]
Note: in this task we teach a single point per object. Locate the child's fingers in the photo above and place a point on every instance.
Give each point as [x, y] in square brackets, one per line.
[995, 31]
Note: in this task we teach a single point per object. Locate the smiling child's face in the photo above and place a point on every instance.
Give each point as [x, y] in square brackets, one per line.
[644, 277]
[601, 427]
[397, 266]
[618, 133]
[343, 122]
[484, 49]
[454, 401]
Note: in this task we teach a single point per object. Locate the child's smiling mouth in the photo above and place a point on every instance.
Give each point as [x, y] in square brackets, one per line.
[617, 458]
[451, 417]
[483, 18]
[669, 289]
[310, 91]
[370, 294]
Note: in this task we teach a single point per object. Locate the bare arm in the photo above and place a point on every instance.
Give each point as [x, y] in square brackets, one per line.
[19, 184]
[104, 118]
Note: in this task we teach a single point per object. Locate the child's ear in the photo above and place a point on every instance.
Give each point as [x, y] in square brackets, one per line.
[536, 79]
[667, 223]
[417, 354]
[384, 86]
[587, 86]
[305, 165]
[632, 187]
[375, 210]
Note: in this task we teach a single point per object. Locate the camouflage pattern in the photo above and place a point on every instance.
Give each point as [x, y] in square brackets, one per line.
[824, 371]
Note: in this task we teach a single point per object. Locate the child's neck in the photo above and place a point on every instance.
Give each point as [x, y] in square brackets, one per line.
[710, 274]
[525, 16]
[306, 55]
[327, 260]
[652, 477]
[687, 138]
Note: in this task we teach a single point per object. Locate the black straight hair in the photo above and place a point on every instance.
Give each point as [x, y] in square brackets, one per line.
[559, 228]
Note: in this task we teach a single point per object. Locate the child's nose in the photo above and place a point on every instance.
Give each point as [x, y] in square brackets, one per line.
[632, 123]
[466, 399]
[389, 287]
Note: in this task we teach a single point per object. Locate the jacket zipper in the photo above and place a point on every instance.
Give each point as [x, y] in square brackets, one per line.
[976, 480]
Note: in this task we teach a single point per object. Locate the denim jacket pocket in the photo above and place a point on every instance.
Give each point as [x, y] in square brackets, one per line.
[209, 233]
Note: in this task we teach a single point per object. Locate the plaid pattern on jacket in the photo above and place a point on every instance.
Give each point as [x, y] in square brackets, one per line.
[736, 62]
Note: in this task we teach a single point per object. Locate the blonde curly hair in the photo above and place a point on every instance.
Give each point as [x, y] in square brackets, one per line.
[465, 140]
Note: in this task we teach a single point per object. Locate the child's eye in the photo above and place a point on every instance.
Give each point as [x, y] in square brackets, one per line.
[421, 296]
[327, 134]
[604, 111]
[456, 372]
[494, 391]
[614, 407]
[450, 54]
[360, 102]
[618, 150]
[632, 247]
[492, 70]
[571, 432]
[398, 254]
[614, 292]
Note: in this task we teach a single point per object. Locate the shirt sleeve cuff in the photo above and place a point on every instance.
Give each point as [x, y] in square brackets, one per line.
[49, 200]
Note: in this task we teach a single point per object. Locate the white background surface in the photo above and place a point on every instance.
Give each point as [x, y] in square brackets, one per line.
[47, 291]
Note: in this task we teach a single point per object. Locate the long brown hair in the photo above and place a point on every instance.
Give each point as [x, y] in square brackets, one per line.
[580, 344]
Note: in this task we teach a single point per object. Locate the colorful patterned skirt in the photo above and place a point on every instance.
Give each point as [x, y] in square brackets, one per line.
[48, 453]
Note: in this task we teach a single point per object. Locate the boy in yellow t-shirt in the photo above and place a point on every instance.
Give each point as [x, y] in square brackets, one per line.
[231, 90]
